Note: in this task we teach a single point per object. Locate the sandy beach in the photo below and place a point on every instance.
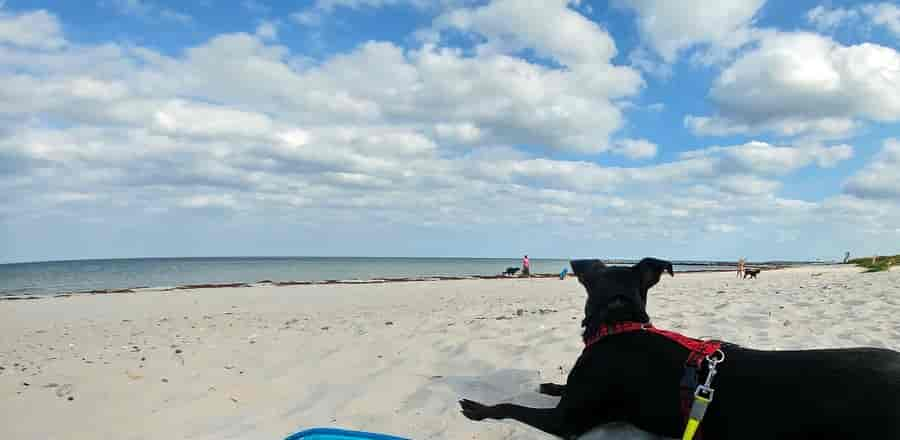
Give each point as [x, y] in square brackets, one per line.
[263, 362]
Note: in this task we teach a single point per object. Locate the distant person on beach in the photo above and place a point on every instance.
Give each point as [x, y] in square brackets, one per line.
[846, 257]
[526, 266]
[740, 268]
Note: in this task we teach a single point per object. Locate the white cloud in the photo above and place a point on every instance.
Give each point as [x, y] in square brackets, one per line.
[724, 51]
[307, 18]
[66, 196]
[267, 30]
[746, 169]
[825, 18]
[330, 5]
[824, 128]
[38, 30]
[209, 201]
[765, 159]
[796, 83]
[181, 118]
[721, 227]
[880, 179]
[671, 26]
[508, 99]
[461, 133]
[886, 15]
[315, 14]
[377, 135]
[708, 126]
[643, 59]
[636, 148]
[585, 48]
[147, 10]
[551, 28]
[746, 185]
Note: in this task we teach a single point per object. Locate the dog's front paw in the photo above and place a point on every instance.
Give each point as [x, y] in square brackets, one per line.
[474, 410]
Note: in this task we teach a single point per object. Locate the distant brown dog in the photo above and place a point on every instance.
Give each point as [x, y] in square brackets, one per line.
[752, 273]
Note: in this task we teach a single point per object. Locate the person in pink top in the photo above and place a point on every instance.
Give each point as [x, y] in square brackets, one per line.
[526, 266]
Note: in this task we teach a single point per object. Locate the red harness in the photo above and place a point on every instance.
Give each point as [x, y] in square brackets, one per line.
[699, 350]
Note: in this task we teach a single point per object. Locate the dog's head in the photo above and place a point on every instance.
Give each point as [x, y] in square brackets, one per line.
[618, 293]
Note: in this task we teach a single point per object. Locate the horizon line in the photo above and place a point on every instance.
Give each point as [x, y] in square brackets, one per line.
[674, 260]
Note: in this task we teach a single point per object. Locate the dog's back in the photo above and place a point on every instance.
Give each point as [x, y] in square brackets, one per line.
[833, 393]
[789, 395]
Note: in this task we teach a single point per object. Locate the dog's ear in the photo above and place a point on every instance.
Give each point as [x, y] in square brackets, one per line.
[649, 270]
[584, 267]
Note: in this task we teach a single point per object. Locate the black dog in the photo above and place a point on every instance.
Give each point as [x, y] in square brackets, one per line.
[752, 273]
[511, 271]
[635, 377]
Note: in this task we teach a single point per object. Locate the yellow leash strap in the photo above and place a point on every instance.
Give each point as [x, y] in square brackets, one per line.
[698, 410]
[703, 396]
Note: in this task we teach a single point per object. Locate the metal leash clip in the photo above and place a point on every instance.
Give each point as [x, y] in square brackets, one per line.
[703, 396]
[706, 391]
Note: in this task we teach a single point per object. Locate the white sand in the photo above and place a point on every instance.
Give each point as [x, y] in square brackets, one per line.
[262, 362]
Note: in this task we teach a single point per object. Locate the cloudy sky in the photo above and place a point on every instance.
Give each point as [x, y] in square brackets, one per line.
[689, 129]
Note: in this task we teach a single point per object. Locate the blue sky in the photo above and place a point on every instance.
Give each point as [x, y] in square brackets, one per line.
[556, 128]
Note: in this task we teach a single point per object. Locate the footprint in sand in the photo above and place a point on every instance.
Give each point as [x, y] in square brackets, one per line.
[64, 390]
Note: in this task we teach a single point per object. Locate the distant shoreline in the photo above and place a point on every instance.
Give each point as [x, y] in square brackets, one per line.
[378, 280]
[313, 257]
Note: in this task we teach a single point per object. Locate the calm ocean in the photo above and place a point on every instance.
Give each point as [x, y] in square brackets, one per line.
[54, 277]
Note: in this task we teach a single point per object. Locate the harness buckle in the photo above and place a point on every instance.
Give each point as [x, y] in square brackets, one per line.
[704, 392]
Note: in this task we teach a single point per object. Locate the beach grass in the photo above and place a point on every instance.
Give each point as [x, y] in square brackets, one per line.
[877, 264]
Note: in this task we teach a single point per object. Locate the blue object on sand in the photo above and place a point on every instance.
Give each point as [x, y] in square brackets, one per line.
[339, 434]
[562, 275]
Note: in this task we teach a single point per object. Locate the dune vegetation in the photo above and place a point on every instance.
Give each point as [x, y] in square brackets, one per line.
[878, 263]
